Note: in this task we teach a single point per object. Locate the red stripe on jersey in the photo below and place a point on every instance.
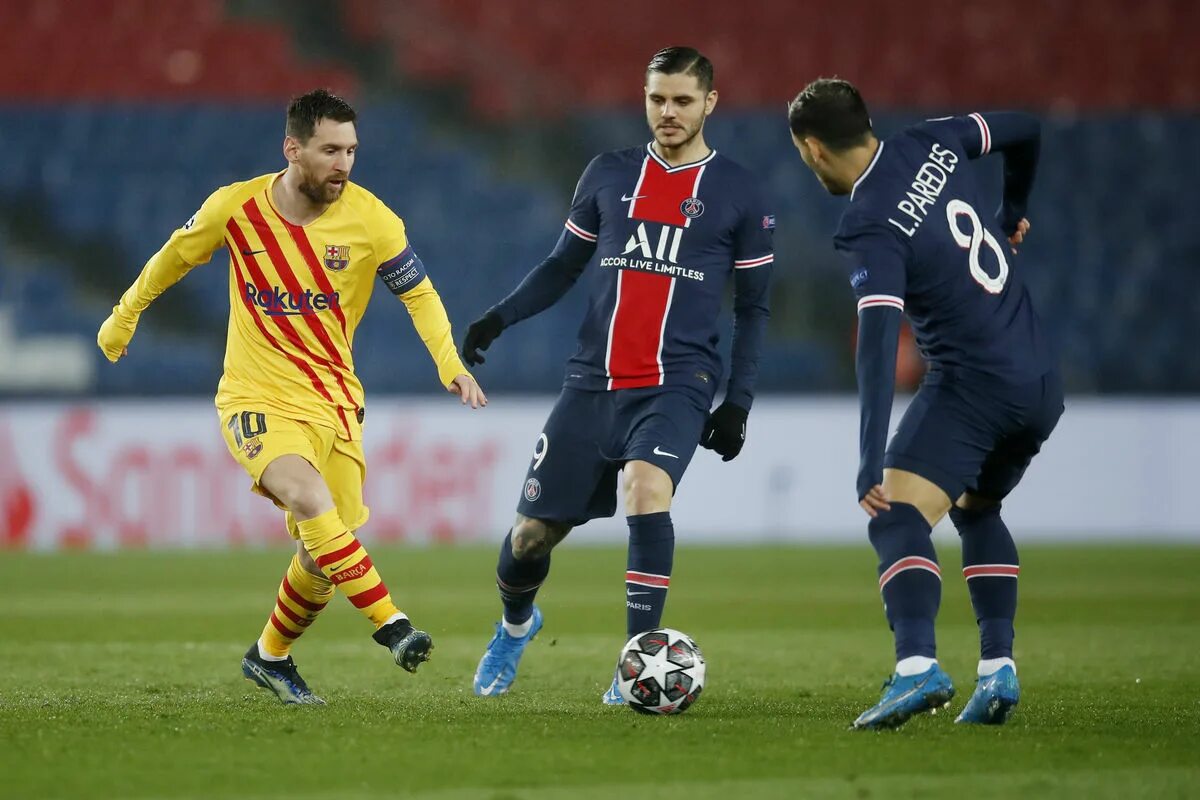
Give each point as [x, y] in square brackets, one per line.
[985, 134]
[303, 366]
[637, 328]
[580, 232]
[639, 322]
[370, 596]
[647, 579]
[295, 597]
[872, 300]
[905, 564]
[754, 262]
[991, 571]
[338, 555]
[661, 193]
[300, 239]
[334, 363]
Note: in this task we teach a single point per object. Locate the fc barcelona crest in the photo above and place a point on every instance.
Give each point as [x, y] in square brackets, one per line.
[337, 257]
[252, 447]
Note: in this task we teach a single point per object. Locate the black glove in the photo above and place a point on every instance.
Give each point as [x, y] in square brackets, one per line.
[480, 336]
[725, 431]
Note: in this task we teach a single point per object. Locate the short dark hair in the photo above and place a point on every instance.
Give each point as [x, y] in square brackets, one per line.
[688, 60]
[305, 111]
[831, 110]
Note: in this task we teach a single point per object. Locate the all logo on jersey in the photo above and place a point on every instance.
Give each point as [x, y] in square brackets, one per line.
[337, 257]
[533, 489]
[691, 208]
[665, 249]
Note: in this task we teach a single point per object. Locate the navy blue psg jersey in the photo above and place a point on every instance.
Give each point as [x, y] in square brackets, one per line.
[667, 241]
[920, 236]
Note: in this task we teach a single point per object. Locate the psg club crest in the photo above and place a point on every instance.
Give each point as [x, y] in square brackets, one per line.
[691, 208]
[337, 256]
[533, 489]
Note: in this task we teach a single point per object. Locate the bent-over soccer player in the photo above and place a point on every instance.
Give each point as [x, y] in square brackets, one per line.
[918, 241]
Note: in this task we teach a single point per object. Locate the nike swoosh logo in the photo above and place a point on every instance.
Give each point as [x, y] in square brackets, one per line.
[491, 687]
[633, 594]
[252, 252]
[659, 452]
[626, 198]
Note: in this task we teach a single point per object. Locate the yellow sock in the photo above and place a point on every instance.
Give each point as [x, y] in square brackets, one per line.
[301, 597]
[345, 562]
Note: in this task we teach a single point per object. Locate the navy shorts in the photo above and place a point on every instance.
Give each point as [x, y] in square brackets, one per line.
[591, 434]
[976, 436]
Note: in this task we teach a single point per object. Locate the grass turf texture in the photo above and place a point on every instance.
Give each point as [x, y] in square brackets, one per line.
[119, 677]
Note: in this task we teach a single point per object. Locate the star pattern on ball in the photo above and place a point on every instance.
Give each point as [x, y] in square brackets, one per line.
[658, 667]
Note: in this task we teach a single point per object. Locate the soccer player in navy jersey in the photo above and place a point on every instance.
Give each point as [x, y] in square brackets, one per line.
[917, 240]
[665, 226]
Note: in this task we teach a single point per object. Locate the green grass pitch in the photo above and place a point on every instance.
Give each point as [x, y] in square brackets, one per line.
[119, 678]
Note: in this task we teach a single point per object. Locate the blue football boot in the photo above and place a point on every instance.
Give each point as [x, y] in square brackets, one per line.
[995, 697]
[498, 667]
[904, 696]
[279, 677]
[613, 697]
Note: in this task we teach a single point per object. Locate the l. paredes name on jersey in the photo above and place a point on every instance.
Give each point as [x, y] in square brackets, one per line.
[926, 187]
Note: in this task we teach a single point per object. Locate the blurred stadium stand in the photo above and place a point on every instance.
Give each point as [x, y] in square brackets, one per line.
[522, 56]
[154, 104]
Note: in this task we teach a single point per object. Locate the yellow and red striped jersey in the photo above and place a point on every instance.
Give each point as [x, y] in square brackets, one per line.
[297, 293]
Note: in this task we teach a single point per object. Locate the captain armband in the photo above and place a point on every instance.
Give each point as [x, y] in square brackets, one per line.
[402, 272]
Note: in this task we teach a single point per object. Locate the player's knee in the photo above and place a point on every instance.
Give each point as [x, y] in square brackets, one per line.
[532, 538]
[647, 492]
[970, 509]
[304, 499]
[308, 563]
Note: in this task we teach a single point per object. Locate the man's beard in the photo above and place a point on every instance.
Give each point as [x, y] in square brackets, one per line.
[320, 193]
[690, 136]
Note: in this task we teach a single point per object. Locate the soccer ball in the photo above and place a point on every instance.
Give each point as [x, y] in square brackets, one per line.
[660, 672]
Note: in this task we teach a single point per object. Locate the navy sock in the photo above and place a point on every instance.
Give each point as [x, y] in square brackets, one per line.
[991, 566]
[648, 571]
[909, 578]
[518, 581]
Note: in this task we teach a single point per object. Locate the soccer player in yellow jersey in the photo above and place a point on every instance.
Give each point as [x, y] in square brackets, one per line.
[304, 246]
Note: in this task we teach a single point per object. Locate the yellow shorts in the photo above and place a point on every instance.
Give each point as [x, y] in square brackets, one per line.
[256, 439]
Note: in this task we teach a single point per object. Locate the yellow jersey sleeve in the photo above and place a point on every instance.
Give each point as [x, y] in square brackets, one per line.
[402, 271]
[204, 233]
[188, 246]
[387, 232]
[433, 326]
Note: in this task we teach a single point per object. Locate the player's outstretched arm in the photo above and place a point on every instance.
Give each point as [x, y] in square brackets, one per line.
[542, 287]
[164, 269]
[433, 326]
[875, 365]
[190, 245]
